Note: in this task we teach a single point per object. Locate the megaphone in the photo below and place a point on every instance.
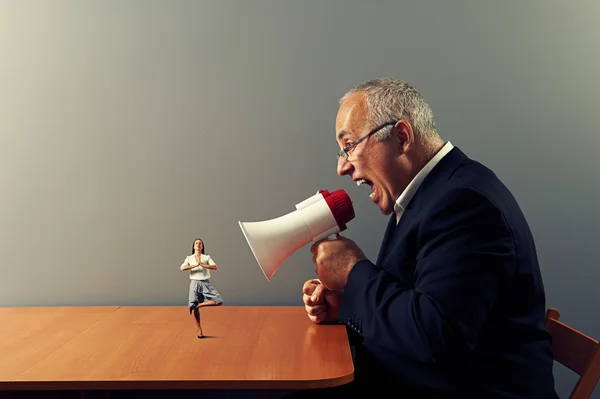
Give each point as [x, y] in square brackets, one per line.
[273, 241]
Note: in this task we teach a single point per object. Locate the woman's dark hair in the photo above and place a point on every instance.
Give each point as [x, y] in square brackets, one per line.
[193, 250]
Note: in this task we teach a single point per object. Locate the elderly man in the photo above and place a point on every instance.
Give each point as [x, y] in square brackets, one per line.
[454, 305]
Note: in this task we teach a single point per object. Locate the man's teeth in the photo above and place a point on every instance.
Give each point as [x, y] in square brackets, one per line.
[363, 181]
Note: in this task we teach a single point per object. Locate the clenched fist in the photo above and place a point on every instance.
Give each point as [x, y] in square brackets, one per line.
[322, 305]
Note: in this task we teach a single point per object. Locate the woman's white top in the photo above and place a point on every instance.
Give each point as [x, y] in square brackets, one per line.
[198, 273]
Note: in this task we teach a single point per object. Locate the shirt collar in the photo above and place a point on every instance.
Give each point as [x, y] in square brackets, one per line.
[410, 190]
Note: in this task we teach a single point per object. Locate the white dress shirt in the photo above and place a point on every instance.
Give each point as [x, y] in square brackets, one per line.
[199, 272]
[410, 190]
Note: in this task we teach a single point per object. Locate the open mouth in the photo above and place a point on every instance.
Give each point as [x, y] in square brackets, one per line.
[361, 182]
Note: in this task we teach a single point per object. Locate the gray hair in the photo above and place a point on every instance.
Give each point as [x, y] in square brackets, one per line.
[391, 100]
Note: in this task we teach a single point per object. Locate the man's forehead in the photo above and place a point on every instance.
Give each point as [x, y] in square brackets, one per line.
[351, 116]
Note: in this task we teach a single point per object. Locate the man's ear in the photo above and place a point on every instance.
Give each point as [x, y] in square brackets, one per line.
[403, 135]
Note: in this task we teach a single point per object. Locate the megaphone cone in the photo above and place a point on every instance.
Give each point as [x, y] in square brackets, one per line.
[273, 241]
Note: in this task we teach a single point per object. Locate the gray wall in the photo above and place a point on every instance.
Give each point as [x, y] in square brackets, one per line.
[129, 128]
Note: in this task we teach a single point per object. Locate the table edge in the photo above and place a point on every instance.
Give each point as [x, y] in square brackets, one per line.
[174, 384]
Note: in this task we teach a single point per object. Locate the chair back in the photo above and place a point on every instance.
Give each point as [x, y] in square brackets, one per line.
[576, 351]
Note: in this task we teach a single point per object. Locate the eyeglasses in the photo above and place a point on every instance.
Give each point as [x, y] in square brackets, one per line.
[345, 152]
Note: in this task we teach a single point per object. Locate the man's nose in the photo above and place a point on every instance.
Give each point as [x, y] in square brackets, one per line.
[342, 166]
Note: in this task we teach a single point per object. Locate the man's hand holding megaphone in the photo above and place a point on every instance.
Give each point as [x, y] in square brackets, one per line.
[334, 259]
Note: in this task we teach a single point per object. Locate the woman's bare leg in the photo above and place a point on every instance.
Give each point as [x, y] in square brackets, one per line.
[196, 313]
[208, 303]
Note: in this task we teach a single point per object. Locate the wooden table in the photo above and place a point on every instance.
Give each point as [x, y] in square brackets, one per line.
[156, 347]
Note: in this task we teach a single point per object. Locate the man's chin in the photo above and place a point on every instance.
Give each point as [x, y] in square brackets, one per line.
[386, 210]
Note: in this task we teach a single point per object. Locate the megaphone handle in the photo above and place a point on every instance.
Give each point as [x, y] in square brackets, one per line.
[332, 231]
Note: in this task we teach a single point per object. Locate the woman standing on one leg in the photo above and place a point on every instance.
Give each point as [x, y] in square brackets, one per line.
[202, 293]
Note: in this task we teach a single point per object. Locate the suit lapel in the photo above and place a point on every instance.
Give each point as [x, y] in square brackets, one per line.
[441, 172]
[389, 232]
[392, 235]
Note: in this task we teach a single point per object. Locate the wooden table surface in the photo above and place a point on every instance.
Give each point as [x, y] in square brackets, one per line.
[156, 347]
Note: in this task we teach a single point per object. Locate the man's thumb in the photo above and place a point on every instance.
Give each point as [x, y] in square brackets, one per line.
[317, 293]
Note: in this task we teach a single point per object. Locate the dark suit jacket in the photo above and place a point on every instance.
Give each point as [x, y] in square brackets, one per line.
[454, 306]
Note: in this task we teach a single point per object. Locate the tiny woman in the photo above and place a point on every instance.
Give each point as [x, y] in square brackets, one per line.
[202, 293]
